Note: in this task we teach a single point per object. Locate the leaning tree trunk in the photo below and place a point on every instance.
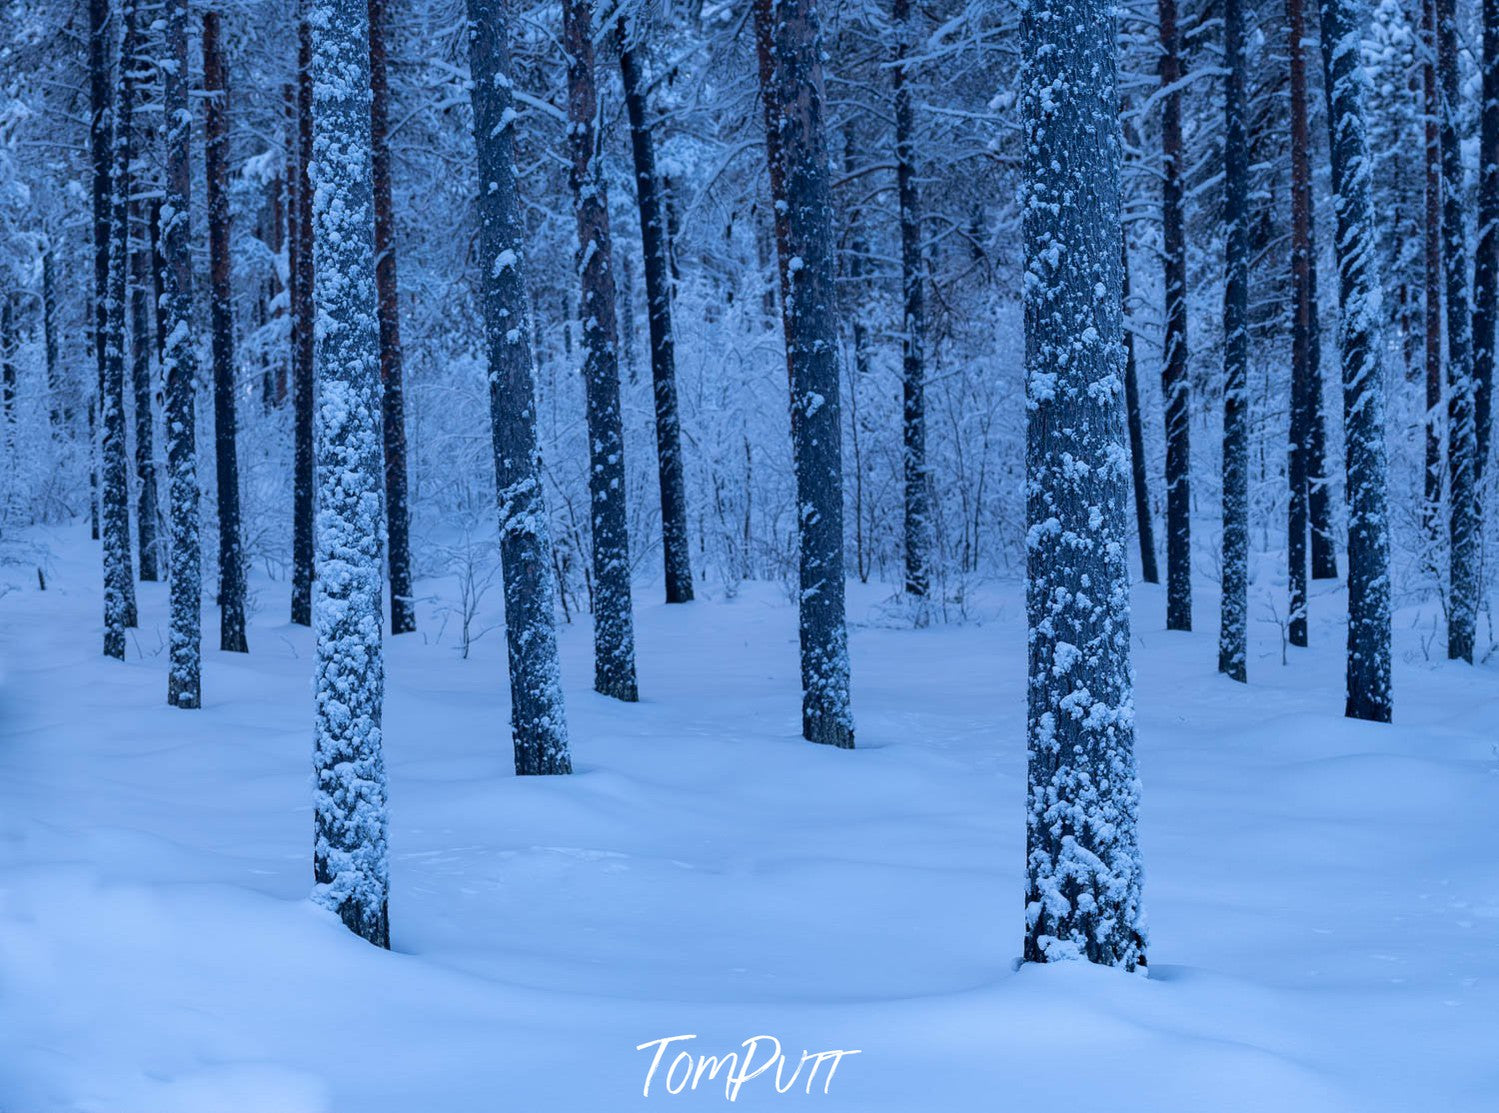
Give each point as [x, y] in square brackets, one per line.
[1302, 336]
[676, 551]
[790, 42]
[1175, 388]
[1233, 625]
[1431, 509]
[221, 318]
[538, 721]
[302, 332]
[1359, 344]
[1082, 857]
[1462, 493]
[350, 861]
[1486, 256]
[1144, 527]
[179, 367]
[397, 513]
[119, 583]
[613, 623]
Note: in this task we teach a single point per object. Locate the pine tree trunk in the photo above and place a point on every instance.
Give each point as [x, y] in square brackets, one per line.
[397, 512]
[1144, 526]
[796, 149]
[302, 334]
[141, 343]
[119, 583]
[1319, 486]
[1359, 344]
[216, 160]
[1486, 256]
[538, 722]
[100, 155]
[1082, 857]
[1302, 336]
[1462, 504]
[350, 860]
[179, 367]
[676, 551]
[613, 622]
[1233, 627]
[918, 524]
[1175, 387]
[1431, 510]
[8, 364]
[55, 414]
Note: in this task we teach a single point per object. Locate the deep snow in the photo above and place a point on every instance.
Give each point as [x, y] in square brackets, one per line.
[1323, 895]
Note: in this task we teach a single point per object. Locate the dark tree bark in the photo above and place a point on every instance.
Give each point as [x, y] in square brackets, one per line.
[1302, 335]
[613, 622]
[1431, 510]
[1175, 388]
[918, 523]
[1462, 491]
[1319, 496]
[1144, 527]
[1234, 621]
[101, 108]
[300, 204]
[1359, 344]
[676, 552]
[119, 583]
[350, 858]
[216, 159]
[142, 341]
[538, 721]
[179, 366]
[397, 512]
[55, 411]
[1083, 872]
[1486, 256]
[791, 84]
[8, 363]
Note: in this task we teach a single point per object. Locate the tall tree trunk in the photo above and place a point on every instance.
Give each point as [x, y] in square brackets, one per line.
[1175, 387]
[1486, 257]
[1462, 493]
[676, 552]
[1302, 337]
[1319, 485]
[101, 110]
[119, 583]
[55, 413]
[1082, 856]
[613, 623]
[141, 343]
[918, 523]
[397, 512]
[1233, 628]
[1431, 510]
[790, 43]
[1144, 527]
[538, 721]
[302, 273]
[350, 861]
[8, 363]
[1359, 343]
[216, 160]
[179, 366]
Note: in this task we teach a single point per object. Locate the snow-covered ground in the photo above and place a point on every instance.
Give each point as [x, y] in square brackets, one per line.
[1323, 895]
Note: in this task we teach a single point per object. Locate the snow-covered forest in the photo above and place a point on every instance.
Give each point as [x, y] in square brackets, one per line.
[976, 515]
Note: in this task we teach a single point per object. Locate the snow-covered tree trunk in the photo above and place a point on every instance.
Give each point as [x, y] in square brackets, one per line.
[792, 86]
[613, 622]
[675, 548]
[1175, 386]
[397, 512]
[119, 580]
[1359, 343]
[141, 343]
[350, 857]
[1486, 254]
[918, 522]
[1462, 492]
[221, 320]
[1303, 311]
[1233, 630]
[1144, 527]
[55, 412]
[300, 292]
[1431, 509]
[1082, 857]
[179, 371]
[101, 107]
[538, 723]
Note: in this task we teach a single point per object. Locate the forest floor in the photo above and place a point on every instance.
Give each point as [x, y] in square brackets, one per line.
[1323, 894]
